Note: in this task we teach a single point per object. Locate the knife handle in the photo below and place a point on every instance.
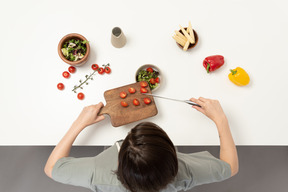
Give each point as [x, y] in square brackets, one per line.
[192, 103]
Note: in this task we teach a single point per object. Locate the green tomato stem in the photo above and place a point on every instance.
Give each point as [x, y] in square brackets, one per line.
[85, 80]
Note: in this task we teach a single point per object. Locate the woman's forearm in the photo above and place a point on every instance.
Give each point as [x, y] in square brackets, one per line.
[88, 116]
[213, 110]
[228, 151]
[63, 148]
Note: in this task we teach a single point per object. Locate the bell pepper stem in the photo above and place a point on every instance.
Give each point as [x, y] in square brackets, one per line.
[233, 72]
[208, 67]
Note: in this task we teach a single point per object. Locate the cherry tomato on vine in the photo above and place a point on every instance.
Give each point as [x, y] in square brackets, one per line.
[60, 86]
[136, 102]
[101, 70]
[149, 69]
[95, 67]
[80, 96]
[107, 70]
[124, 104]
[143, 84]
[66, 74]
[123, 94]
[131, 90]
[147, 100]
[72, 69]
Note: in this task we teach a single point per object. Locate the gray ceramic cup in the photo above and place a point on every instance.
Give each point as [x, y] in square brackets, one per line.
[118, 38]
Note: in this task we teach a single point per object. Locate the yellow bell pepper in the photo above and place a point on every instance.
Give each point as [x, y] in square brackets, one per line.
[239, 76]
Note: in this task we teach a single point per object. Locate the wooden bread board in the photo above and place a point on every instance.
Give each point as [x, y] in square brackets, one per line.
[123, 115]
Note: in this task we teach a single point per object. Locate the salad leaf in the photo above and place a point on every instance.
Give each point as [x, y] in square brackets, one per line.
[65, 52]
[153, 86]
[72, 57]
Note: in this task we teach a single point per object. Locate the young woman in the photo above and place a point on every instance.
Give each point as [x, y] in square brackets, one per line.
[146, 160]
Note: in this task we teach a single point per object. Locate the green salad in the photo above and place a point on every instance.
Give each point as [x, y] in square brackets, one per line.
[150, 76]
[74, 49]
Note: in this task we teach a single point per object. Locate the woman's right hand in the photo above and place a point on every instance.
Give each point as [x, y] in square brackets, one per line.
[211, 108]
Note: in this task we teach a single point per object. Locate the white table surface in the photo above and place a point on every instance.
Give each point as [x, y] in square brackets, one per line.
[249, 34]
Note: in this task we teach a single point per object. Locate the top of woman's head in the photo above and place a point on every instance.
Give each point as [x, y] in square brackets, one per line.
[147, 159]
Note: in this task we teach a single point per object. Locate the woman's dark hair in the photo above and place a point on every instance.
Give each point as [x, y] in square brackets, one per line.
[147, 159]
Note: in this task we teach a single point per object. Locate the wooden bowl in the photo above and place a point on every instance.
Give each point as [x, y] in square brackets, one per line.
[190, 45]
[77, 37]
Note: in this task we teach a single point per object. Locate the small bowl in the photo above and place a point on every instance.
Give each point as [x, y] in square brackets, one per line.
[67, 38]
[190, 45]
[144, 67]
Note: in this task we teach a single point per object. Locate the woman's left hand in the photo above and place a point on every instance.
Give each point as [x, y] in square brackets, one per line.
[89, 115]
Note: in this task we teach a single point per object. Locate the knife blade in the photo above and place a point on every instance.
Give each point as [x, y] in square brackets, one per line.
[185, 101]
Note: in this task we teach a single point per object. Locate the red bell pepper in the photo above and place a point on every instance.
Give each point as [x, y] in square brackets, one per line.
[213, 62]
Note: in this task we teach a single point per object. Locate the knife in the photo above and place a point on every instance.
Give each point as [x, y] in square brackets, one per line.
[185, 101]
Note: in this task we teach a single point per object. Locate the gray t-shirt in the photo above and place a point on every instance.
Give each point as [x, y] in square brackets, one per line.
[97, 173]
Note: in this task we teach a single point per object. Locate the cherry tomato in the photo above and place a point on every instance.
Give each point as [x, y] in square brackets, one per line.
[60, 86]
[157, 80]
[124, 104]
[131, 90]
[123, 94]
[66, 74]
[149, 69]
[72, 69]
[107, 70]
[95, 67]
[143, 84]
[136, 102]
[101, 70]
[143, 90]
[152, 81]
[147, 100]
[81, 96]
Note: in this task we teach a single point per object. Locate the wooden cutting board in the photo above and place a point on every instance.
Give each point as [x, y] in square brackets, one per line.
[123, 115]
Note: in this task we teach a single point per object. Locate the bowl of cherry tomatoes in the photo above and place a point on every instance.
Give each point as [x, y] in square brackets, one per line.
[151, 74]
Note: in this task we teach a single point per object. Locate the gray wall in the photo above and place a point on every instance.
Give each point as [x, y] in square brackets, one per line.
[262, 169]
